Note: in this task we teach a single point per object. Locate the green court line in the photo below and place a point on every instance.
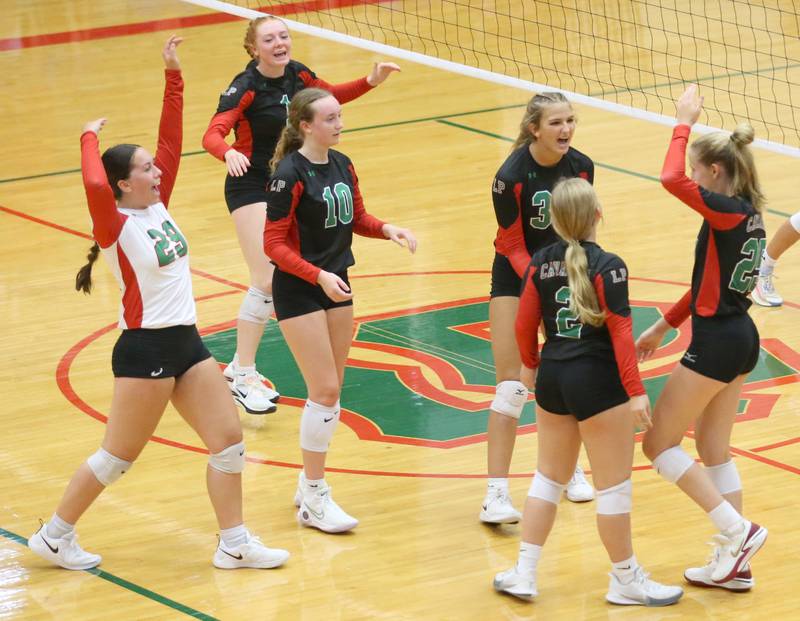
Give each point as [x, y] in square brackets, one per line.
[439, 119]
[125, 584]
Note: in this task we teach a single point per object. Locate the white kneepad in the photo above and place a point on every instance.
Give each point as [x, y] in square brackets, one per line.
[317, 425]
[725, 477]
[545, 489]
[510, 398]
[229, 460]
[672, 463]
[106, 467]
[256, 306]
[795, 220]
[615, 500]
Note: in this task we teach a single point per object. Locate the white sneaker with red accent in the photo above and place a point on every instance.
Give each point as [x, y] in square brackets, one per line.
[701, 576]
[736, 549]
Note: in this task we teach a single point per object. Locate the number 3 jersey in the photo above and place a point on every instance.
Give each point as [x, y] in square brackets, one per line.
[729, 245]
[521, 195]
[145, 249]
[545, 297]
[312, 212]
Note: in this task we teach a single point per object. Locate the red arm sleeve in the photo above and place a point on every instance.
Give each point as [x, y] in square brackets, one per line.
[620, 328]
[170, 133]
[529, 316]
[106, 220]
[675, 181]
[510, 240]
[679, 311]
[363, 223]
[347, 91]
[281, 244]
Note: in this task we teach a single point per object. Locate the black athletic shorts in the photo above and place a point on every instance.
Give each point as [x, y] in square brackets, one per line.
[158, 353]
[245, 190]
[581, 387]
[294, 296]
[504, 279]
[722, 348]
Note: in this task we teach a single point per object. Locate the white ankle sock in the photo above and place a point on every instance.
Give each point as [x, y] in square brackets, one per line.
[725, 516]
[57, 528]
[233, 537]
[529, 554]
[767, 264]
[499, 483]
[625, 570]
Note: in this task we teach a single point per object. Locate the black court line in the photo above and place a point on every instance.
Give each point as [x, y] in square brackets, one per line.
[135, 588]
[444, 119]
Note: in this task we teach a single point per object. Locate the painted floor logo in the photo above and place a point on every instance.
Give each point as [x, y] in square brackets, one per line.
[427, 378]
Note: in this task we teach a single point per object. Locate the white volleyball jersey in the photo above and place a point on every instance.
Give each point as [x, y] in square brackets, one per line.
[150, 260]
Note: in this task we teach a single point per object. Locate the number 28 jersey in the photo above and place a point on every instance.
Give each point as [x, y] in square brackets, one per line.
[312, 212]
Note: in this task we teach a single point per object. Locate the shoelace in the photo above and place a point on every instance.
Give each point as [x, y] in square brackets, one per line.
[767, 285]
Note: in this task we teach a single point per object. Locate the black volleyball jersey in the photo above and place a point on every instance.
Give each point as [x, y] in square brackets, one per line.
[521, 194]
[312, 212]
[545, 297]
[256, 107]
[729, 245]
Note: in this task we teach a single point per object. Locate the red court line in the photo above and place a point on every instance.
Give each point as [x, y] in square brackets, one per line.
[769, 447]
[52, 225]
[174, 23]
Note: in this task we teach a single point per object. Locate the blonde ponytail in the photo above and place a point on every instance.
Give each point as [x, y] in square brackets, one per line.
[301, 109]
[574, 210]
[533, 115]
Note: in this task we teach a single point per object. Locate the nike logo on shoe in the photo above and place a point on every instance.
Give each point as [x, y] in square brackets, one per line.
[47, 543]
[238, 557]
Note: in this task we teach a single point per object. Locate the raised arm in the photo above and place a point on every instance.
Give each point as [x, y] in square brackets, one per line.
[348, 91]
[170, 128]
[106, 220]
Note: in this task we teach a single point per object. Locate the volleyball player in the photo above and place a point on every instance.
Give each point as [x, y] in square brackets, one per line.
[313, 208]
[588, 390]
[787, 235]
[159, 356]
[704, 388]
[541, 155]
[255, 106]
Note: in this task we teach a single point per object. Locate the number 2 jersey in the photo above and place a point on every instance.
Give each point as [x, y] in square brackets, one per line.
[545, 297]
[521, 195]
[255, 107]
[729, 245]
[312, 212]
[145, 249]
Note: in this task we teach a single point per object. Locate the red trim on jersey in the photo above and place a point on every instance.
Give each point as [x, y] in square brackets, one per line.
[708, 292]
[132, 306]
[282, 242]
[170, 134]
[107, 221]
[347, 91]
[680, 311]
[621, 331]
[510, 242]
[529, 315]
[221, 125]
[363, 223]
[675, 181]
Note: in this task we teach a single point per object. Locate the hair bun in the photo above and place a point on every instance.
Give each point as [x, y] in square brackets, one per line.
[743, 134]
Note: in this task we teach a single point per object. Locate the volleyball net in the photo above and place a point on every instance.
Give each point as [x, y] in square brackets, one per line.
[631, 56]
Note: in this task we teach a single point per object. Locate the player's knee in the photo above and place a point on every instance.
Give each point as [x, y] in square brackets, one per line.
[545, 489]
[509, 399]
[650, 448]
[725, 477]
[256, 307]
[672, 464]
[229, 460]
[615, 500]
[106, 467]
[317, 424]
[326, 393]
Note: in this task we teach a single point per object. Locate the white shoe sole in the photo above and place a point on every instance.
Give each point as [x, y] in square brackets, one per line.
[737, 585]
[621, 600]
[310, 522]
[225, 563]
[503, 519]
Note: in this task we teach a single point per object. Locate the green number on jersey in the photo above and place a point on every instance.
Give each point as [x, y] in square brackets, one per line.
[742, 279]
[566, 322]
[340, 208]
[169, 245]
[541, 202]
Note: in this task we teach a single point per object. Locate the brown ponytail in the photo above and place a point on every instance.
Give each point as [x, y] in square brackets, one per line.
[300, 109]
[83, 279]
